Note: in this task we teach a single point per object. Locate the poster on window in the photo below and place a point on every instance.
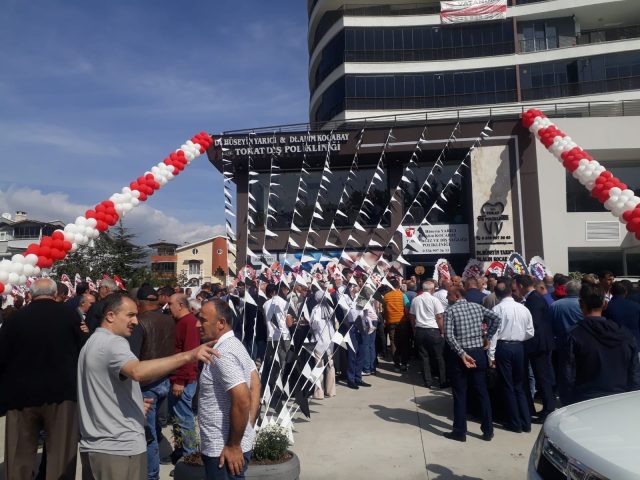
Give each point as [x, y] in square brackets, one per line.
[460, 11]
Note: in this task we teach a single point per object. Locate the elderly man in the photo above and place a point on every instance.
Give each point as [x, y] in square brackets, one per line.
[442, 293]
[110, 401]
[39, 347]
[507, 354]
[426, 316]
[184, 380]
[468, 359]
[229, 397]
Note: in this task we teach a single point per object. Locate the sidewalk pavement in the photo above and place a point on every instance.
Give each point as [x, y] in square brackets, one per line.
[393, 430]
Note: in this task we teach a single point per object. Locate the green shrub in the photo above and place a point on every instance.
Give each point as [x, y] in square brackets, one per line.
[271, 444]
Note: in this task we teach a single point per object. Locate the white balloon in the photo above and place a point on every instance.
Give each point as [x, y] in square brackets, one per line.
[32, 259]
[135, 193]
[81, 221]
[22, 280]
[4, 276]
[615, 192]
[627, 193]
[92, 222]
[16, 268]
[36, 271]
[78, 238]
[71, 228]
[95, 233]
[85, 239]
[7, 288]
[28, 270]
[14, 277]
[17, 258]
[134, 202]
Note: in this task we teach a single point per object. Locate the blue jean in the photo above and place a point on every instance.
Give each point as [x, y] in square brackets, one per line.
[355, 359]
[158, 391]
[184, 427]
[212, 472]
[369, 352]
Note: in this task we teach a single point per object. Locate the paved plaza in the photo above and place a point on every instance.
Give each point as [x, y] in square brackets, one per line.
[394, 430]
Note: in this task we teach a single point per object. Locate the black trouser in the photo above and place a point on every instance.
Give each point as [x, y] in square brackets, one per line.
[543, 373]
[430, 345]
[459, 377]
[399, 339]
[510, 362]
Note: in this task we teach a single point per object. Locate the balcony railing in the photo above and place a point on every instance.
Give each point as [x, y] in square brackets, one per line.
[582, 88]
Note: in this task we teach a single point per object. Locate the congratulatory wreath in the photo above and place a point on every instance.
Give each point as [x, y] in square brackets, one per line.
[104, 215]
[603, 185]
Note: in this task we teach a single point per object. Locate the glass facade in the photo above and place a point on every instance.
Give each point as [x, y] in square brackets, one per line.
[413, 44]
[288, 187]
[566, 78]
[420, 90]
[588, 75]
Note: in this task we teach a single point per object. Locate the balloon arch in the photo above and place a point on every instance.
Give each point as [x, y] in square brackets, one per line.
[15, 272]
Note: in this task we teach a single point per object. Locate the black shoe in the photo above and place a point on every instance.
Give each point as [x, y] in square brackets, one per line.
[363, 384]
[353, 386]
[539, 420]
[458, 437]
[428, 385]
[487, 437]
[527, 430]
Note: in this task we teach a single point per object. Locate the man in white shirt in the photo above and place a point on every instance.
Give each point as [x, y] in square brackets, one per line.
[506, 353]
[228, 398]
[278, 336]
[426, 316]
[443, 292]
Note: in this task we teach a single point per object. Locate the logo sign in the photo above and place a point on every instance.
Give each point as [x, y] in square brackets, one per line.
[491, 216]
[409, 231]
[459, 11]
[419, 270]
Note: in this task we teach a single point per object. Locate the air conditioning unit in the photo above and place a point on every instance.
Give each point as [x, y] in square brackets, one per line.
[602, 231]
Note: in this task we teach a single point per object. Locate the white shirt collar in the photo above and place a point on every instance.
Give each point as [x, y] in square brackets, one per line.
[223, 338]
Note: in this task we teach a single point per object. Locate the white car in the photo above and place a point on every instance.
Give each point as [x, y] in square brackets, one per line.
[594, 440]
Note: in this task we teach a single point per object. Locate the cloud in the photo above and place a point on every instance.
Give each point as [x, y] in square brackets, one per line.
[147, 223]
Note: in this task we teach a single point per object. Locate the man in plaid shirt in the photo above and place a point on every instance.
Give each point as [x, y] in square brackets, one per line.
[468, 359]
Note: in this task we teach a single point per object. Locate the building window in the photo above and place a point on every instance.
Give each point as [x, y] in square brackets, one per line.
[194, 251]
[166, 252]
[579, 199]
[163, 267]
[219, 251]
[24, 232]
[194, 267]
[596, 261]
[3, 236]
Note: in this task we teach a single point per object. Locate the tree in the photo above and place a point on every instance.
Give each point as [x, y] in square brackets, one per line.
[109, 254]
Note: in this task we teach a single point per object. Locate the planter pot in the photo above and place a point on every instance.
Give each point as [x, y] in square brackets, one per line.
[289, 470]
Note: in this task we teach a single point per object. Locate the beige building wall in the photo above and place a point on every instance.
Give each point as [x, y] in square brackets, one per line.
[202, 254]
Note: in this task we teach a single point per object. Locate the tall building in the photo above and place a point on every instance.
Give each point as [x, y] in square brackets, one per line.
[376, 65]
[370, 58]
[163, 258]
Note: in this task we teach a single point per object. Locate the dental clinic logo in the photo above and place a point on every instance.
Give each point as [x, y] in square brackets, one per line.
[492, 218]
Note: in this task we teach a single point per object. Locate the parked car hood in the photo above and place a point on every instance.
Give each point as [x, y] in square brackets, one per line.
[603, 434]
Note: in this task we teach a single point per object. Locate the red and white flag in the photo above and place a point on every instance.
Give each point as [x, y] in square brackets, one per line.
[458, 11]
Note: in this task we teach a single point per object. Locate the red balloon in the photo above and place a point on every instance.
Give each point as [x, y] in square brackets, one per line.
[142, 197]
[58, 236]
[638, 235]
[67, 246]
[42, 262]
[108, 204]
[46, 241]
[133, 185]
[100, 208]
[90, 214]
[1, 288]
[628, 215]
[607, 174]
[57, 244]
[45, 251]
[634, 225]
[34, 248]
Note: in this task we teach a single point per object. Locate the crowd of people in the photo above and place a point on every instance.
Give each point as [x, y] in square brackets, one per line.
[103, 370]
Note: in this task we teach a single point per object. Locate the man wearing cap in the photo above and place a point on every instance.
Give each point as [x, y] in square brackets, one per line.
[158, 340]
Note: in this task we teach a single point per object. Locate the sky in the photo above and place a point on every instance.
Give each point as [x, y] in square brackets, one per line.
[93, 94]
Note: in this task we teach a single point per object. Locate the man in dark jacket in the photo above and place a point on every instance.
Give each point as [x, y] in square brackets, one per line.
[539, 347]
[600, 357]
[39, 348]
[623, 311]
[158, 332]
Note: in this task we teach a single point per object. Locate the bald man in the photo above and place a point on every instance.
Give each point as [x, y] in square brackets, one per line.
[184, 380]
